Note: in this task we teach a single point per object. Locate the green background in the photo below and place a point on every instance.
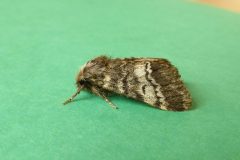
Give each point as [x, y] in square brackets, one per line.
[44, 43]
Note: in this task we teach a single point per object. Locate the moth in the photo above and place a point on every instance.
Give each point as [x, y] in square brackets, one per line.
[154, 81]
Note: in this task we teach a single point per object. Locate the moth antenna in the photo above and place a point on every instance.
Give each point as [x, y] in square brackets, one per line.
[73, 96]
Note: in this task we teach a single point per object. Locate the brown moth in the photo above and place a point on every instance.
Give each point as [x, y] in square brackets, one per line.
[154, 81]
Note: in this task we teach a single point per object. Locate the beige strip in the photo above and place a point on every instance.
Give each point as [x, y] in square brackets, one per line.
[231, 5]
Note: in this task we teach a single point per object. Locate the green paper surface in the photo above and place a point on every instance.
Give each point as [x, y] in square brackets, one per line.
[44, 43]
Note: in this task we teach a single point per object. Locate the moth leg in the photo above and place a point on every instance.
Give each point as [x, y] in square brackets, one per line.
[101, 94]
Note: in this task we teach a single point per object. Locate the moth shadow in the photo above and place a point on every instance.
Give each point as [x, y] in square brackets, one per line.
[195, 92]
[82, 98]
[130, 101]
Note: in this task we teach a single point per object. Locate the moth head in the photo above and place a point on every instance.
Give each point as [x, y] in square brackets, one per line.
[80, 79]
[85, 74]
[80, 82]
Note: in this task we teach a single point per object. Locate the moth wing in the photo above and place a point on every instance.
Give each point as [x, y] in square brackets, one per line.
[165, 81]
[158, 83]
[151, 80]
